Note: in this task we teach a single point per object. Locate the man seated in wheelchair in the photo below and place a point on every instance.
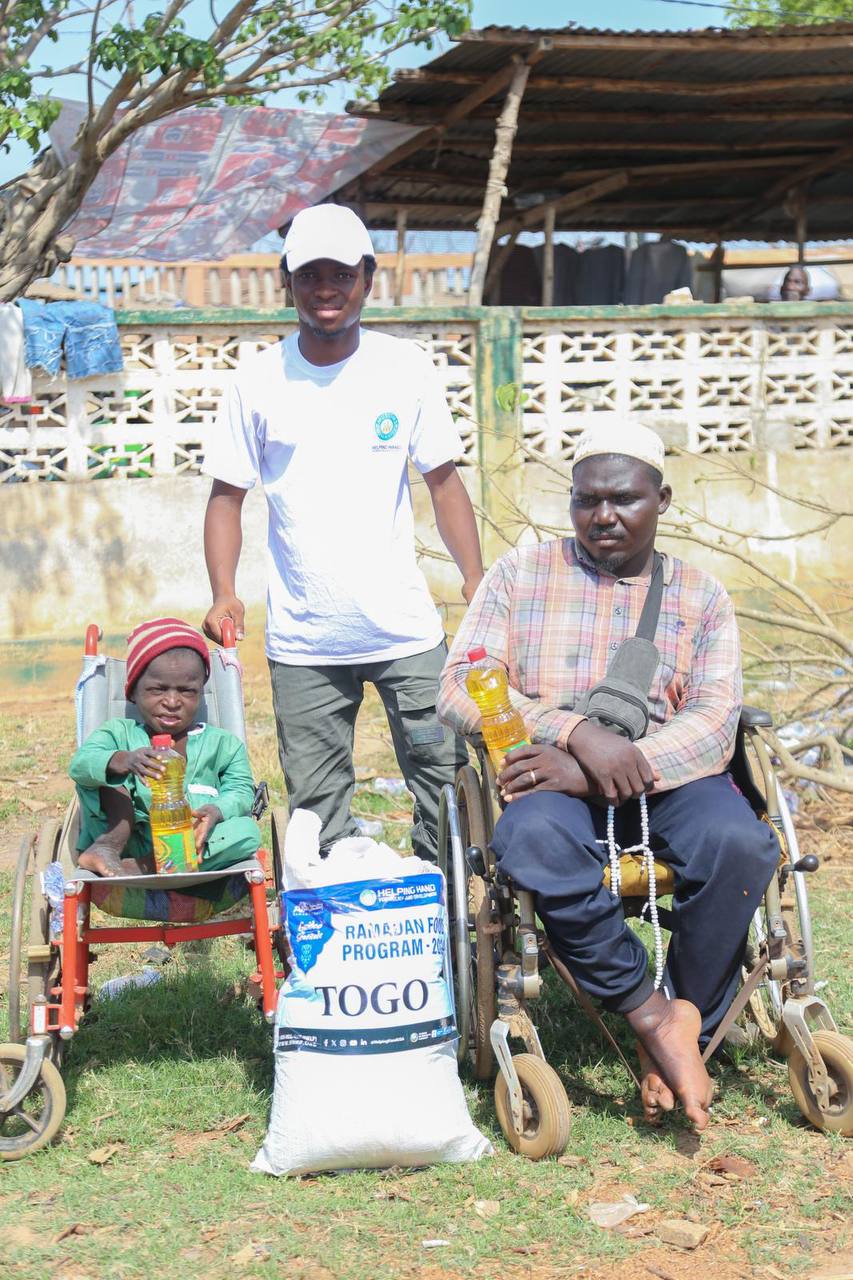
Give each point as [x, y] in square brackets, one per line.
[554, 614]
[167, 665]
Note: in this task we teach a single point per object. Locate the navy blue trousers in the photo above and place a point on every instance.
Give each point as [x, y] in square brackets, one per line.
[722, 856]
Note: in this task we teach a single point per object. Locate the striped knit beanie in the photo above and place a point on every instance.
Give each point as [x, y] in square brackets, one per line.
[147, 641]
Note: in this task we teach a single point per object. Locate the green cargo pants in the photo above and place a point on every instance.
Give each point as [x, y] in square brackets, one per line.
[315, 712]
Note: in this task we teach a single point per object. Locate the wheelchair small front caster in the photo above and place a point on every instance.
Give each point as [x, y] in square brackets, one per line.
[547, 1114]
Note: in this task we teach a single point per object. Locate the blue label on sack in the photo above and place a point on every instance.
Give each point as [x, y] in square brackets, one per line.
[309, 912]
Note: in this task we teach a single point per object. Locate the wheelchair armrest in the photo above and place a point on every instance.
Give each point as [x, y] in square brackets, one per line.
[755, 718]
[474, 740]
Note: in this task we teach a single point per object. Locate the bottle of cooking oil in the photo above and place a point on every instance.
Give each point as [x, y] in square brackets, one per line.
[502, 726]
[171, 816]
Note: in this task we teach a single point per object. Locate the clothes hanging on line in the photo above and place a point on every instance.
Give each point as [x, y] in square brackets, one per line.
[16, 383]
[85, 332]
[656, 269]
[601, 276]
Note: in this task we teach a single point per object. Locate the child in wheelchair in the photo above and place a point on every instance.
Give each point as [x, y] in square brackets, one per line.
[167, 665]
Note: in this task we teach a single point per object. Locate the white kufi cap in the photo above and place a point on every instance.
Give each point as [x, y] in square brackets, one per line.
[327, 231]
[626, 439]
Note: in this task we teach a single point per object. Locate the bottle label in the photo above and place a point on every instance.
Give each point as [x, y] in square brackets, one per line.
[522, 742]
[175, 852]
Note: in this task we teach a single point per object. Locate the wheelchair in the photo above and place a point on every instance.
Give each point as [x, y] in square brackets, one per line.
[497, 949]
[49, 991]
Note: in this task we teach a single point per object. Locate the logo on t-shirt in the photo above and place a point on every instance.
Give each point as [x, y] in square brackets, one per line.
[386, 426]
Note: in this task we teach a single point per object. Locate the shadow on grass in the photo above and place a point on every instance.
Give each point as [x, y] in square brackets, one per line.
[188, 1017]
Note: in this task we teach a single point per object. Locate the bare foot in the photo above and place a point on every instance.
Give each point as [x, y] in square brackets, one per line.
[655, 1093]
[669, 1031]
[106, 860]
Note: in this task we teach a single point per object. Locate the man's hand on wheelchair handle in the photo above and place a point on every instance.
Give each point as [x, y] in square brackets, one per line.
[224, 607]
[616, 769]
[540, 768]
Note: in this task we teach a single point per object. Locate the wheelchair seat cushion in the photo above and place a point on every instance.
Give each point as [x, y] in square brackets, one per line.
[169, 906]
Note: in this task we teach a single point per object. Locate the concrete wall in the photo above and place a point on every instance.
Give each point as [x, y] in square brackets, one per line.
[75, 550]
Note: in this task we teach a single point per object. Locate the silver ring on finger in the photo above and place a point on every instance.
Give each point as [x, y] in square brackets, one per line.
[532, 773]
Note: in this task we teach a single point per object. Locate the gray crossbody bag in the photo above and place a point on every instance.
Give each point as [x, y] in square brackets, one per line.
[620, 702]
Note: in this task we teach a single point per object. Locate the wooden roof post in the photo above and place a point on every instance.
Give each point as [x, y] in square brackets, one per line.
[548, 257]
[802, 223]
[718, 257]
[495, 189]
[400, 264]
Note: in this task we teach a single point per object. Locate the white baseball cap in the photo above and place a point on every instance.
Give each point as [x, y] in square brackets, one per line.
[327, 231]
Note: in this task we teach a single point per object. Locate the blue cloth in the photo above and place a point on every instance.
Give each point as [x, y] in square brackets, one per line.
[723, 858]
[86, 330]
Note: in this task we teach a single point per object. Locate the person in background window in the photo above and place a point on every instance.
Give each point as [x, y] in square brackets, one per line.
[796, 285]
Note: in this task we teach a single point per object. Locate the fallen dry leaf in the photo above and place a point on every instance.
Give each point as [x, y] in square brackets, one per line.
[735, 1166]
[101, 1155]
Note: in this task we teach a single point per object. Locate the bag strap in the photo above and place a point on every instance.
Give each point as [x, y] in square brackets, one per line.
[648, 624]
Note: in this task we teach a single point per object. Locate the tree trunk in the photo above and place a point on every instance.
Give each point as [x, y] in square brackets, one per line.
[495, 189]
[33, 212]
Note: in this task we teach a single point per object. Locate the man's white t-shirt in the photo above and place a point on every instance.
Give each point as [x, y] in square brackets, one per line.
[330, 445]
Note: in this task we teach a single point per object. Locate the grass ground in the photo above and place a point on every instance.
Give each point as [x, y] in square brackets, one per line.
[169, 1092]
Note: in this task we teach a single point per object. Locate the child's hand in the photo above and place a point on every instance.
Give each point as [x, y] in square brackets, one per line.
[144, 762]
[204, 820]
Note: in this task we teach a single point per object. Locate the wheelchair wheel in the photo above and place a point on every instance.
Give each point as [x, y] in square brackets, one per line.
[19, 889]
[472, 824]
[764, 1010]
[36, 1120]
[837, 1053]
[459, 958]
[40, 961]
[547, 1110]
[279, 818]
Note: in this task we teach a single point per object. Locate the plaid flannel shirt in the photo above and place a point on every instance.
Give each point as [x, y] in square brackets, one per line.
[545, 614]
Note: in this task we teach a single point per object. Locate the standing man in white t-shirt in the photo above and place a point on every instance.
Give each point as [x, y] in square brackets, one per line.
[328, 420]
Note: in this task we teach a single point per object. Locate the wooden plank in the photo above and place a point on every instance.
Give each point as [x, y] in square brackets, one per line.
[409, 113]
[802, 177]
[764, 265]
[616, 146]
[669, 169]
[548, 258]
[495, 183]
[400, 263]
[572, 200]
[484, 90]
[608, 84]
[747, 41]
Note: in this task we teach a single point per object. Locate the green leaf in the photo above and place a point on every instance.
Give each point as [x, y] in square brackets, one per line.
[510, 396]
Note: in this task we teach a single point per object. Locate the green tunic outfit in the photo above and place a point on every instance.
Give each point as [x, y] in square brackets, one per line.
[217, 773]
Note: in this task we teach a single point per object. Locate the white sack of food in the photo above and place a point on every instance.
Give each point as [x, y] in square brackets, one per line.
[365, 1040]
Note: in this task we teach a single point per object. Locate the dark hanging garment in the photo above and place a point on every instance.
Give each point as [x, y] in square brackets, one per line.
[655, 270]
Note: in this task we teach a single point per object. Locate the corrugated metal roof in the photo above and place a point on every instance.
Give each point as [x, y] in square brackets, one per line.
[706, 124]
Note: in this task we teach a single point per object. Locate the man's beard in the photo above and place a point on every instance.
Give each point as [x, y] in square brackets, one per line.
[611, 564]
[329, 334]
